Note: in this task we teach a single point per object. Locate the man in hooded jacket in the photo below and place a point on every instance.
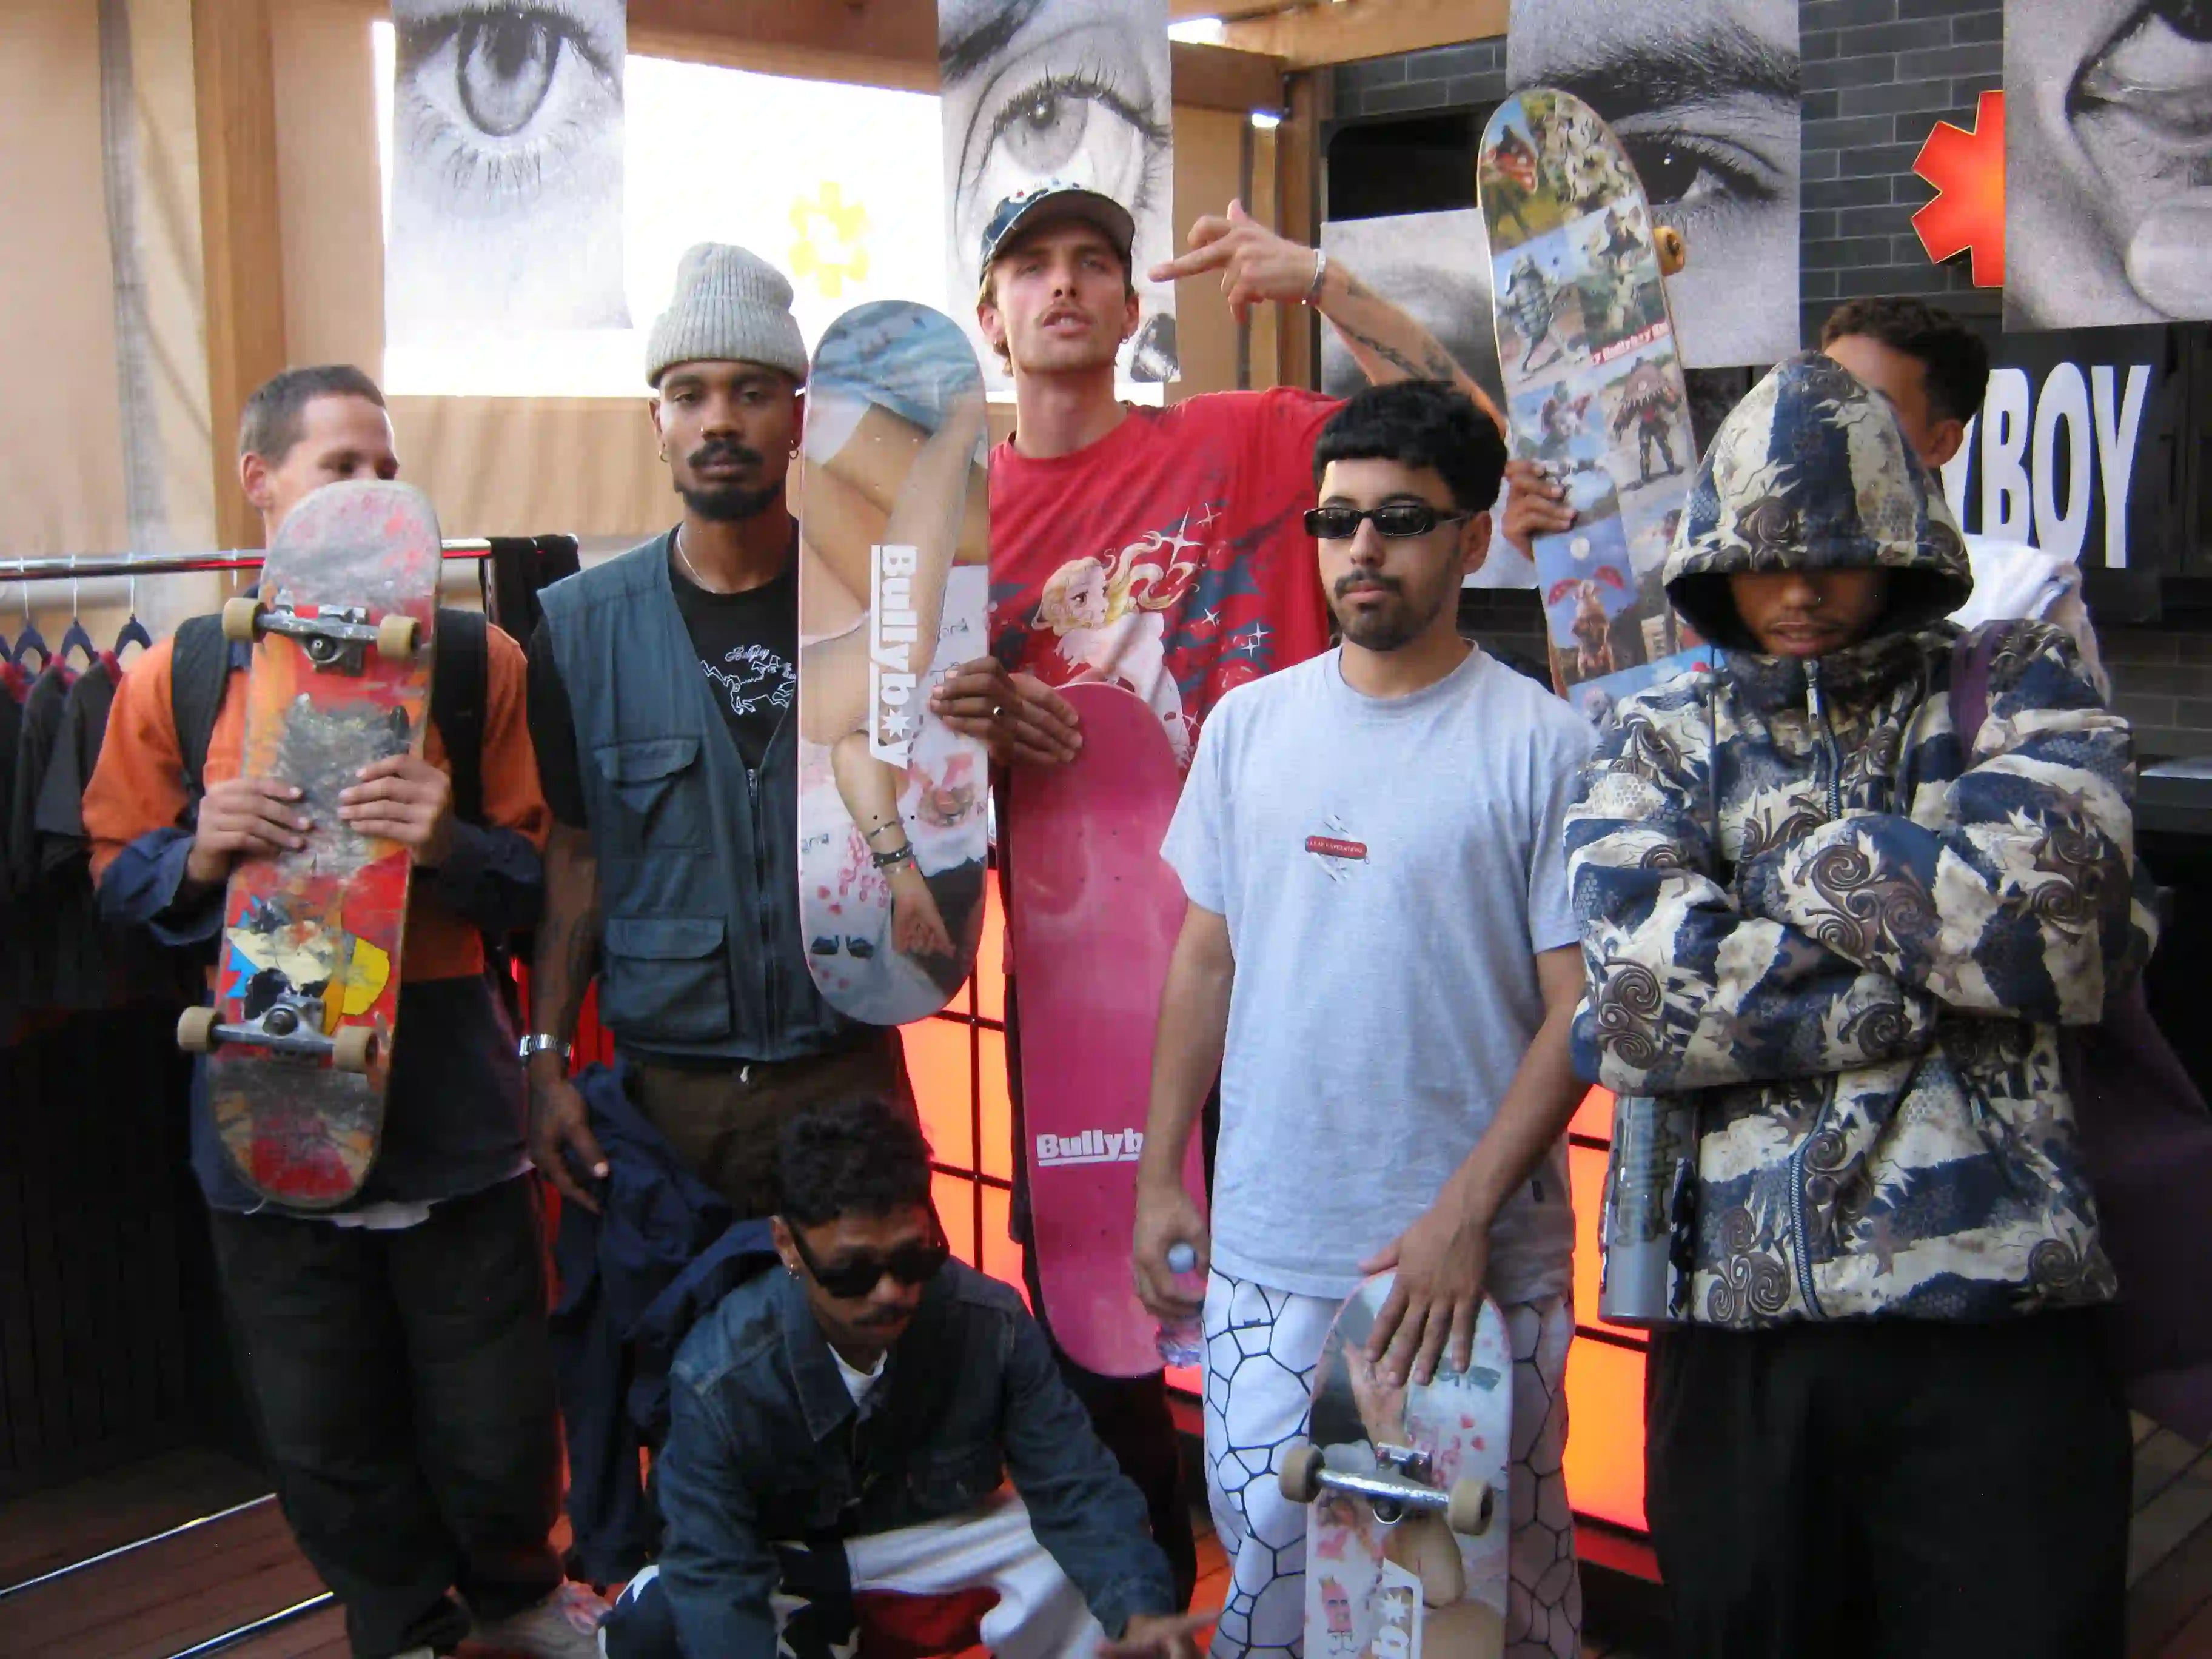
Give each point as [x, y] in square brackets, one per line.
[1845, 944]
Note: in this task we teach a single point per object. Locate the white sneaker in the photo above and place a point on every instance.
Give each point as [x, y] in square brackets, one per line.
[565, 1625]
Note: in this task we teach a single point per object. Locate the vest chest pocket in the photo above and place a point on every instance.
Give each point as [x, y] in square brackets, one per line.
[664, 978]
[654, 801]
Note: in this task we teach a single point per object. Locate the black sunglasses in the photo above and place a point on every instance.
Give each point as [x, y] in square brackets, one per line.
[1396, 519]
[909, 1264]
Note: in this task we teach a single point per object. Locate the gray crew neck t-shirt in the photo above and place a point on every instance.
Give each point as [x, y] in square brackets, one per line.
[1388, 868]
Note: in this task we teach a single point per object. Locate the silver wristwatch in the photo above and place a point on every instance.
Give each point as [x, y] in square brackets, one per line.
[537, 1042]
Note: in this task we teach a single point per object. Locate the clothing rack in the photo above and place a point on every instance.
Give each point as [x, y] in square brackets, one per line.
[88, 569]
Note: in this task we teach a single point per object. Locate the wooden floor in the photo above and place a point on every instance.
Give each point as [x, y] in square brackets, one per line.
[161, 1600]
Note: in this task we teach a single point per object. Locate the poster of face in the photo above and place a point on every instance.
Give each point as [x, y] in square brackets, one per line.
[1437, 267]
[506, 168]
[1703, 94]
[1067, 89]
[2108, 162]
[844, 197]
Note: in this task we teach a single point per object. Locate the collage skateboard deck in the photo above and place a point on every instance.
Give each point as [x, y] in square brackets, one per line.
[299, 1039]
[1409, 1527]
[1593, 385]
[1095, 913]
[893, 587]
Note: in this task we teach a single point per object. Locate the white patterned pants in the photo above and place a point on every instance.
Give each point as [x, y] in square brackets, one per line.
[1261, 1346]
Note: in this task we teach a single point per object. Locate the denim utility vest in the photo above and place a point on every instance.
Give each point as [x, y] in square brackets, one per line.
[700, 956]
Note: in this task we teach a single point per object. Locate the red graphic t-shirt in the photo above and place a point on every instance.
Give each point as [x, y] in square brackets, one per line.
[1170, 557]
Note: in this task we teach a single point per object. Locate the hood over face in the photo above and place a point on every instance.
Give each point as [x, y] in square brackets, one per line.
[1812, 471]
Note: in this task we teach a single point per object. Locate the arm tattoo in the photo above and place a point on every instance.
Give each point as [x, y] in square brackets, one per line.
[1388, 353]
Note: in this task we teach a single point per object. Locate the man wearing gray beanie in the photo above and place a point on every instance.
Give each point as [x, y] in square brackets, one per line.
[674, 788]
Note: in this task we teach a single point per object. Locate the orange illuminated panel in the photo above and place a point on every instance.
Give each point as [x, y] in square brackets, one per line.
[937, 1058]
[1593, 1117]
[955, 1198]
[990, 981]
[998, 1110]
[1605, 1432]
[1002, 1257]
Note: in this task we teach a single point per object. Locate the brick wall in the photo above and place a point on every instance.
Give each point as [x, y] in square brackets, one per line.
[1445, 77]
[1878, 75]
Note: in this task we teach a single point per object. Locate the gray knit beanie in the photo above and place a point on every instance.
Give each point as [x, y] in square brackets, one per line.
[729, 306]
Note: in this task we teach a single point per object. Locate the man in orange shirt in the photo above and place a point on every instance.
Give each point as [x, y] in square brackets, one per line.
[395, 1350]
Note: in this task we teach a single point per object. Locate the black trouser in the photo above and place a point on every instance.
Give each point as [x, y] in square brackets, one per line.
[1895, 1488]
[403, 1393]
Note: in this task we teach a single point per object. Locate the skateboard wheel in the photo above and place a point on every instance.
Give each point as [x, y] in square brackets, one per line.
[1299, 1478]
[240, 616]
[354, 1048]
[195, 1030]
[1469, 1507]
[1673, 252]
[395, 637]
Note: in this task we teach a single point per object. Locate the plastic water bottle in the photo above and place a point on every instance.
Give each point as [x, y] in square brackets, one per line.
[1182, 1341]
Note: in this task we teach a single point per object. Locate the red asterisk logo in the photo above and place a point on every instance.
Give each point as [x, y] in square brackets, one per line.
[1968, 171]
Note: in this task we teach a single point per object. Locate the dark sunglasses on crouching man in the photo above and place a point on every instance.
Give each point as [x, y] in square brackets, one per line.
[910, 1264]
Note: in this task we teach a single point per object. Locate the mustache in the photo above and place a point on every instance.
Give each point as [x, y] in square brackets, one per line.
[1368, 579]
[724, 449]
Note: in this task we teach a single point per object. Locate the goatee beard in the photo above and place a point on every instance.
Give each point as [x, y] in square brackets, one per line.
[730, 502]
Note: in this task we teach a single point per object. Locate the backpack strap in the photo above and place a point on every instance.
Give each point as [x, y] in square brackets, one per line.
[458, 699]
[199, 670]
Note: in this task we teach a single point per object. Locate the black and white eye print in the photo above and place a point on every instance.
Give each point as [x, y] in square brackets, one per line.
[506, 170]
[2108, 162]
[1075, 90]
[1705, 96]
[1436, 266]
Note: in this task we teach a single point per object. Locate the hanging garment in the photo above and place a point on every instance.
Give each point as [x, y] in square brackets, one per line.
[35, 928]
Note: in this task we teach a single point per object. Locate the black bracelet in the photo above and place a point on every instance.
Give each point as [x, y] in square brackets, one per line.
[902, 853]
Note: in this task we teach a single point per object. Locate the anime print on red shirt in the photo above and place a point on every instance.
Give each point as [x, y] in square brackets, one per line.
[1169, 557]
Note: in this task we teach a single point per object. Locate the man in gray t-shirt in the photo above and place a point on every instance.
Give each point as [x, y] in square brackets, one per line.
[1380, 956]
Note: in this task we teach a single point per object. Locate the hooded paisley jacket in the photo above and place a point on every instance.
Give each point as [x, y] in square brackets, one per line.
[1847, 944]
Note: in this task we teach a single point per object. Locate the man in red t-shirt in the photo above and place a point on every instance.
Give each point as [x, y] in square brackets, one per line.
[1163, 549]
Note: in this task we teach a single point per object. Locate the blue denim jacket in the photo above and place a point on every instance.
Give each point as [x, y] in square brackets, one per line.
[764, 1445]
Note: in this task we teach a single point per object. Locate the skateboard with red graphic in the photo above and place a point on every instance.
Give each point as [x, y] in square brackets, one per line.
[1408, 1532]
[1594, 392]
[299, 1039]
[1095, 911]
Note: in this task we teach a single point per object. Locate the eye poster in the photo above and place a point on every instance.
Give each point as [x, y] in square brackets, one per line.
[1704, 95]
[506, 169]
[2108, 156]
[1069, 90]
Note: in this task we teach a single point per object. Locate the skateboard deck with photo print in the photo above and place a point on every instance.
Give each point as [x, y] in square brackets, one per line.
[893, 587]
[1095, 911]
[299, 1038]
[1410, 1496]
[1593, 385]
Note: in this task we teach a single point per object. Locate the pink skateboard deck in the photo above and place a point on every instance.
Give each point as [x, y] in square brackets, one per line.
[1095, 914]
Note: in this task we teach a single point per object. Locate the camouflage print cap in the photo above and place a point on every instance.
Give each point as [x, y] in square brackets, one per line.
[1056, 198]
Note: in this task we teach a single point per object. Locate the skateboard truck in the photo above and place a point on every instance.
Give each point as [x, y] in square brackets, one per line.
[1403, 1484]
[337, 637]
[292, 1025]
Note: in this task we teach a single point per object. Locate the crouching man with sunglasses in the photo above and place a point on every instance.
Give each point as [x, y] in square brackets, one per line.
[1378, 953]
[841, 1432]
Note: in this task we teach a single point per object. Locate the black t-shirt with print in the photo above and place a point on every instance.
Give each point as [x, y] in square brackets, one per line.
[748, 647]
